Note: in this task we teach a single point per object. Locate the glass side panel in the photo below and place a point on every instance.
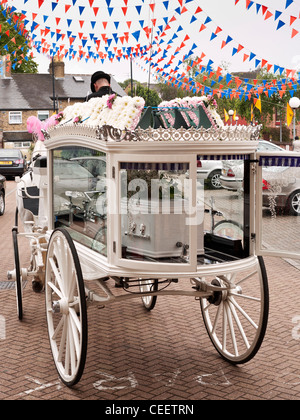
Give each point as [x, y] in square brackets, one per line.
[79, 195]
[155, 209]
[280, 218]
[224, 208]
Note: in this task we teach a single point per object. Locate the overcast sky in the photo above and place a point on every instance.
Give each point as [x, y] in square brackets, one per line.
[248, 28]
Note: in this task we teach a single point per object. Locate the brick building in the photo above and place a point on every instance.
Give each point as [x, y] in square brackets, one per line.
[24, 95]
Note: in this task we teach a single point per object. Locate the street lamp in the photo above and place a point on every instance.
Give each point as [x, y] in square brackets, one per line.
[294, 104]
[231, 113]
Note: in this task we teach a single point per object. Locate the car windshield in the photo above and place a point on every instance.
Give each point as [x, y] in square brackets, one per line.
[9, 153]
[265, 145]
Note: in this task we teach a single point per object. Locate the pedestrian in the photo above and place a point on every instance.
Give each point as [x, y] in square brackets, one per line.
[296, 144]
[100, 85]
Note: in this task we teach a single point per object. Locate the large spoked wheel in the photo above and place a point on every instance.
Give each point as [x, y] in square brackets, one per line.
[236, 317]
[66, 307]
[146, 286]
[18, 277]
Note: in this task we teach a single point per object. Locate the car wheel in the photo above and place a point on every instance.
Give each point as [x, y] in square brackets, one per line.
[293, 206]
[214, 180]
[2, 203]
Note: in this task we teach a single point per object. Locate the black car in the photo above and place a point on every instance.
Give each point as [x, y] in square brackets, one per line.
[12, 162]
[2, 194]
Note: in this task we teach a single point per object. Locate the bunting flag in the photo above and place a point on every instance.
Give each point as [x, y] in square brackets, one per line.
[289, 115]
[158, 35]
[226, 115]
[281, 18]
[257, 103]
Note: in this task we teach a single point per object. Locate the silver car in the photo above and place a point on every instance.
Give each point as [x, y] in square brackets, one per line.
[281, 189]
[210, 170]
[233, 170]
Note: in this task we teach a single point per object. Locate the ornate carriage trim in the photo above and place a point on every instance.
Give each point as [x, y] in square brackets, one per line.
[109, 133]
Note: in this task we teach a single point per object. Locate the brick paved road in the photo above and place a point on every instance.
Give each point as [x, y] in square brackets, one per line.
[134, 355]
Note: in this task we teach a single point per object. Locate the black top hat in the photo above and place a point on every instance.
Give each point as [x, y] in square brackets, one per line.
[99, 75]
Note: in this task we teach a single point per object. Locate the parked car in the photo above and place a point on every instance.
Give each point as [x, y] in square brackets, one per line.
[233, 170]
[12, 162]
[2, 194]
[210, 170]
[281, 189]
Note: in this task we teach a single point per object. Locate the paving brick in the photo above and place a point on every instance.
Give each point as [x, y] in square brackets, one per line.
[136, 355]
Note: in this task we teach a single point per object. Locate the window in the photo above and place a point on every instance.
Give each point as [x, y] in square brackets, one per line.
[22, 144]
[15, 117]
[79, 195]
[78, 79]
[43, 115]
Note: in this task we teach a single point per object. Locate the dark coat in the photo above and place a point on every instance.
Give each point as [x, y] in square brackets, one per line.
[105, 90]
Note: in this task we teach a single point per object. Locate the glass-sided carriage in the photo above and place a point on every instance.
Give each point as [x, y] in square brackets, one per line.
[129, 207]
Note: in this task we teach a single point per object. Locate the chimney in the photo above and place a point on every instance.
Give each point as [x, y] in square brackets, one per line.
[59, 68]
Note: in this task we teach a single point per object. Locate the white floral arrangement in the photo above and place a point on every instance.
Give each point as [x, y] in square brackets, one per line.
[187, 104]
[119, 112]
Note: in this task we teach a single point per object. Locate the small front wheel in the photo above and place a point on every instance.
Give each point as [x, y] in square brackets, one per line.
[66, 307]
[18, 277]
[146, 286]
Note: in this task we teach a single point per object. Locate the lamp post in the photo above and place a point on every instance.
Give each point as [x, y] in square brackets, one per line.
[294, 104]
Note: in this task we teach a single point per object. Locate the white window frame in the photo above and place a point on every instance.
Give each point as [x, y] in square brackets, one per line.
[13, 115]
[116, 255]
[22, 144]
[43, 113]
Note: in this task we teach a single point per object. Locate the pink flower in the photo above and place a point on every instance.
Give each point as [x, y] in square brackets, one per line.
[59, 117]
[77, 119]
[111, 100]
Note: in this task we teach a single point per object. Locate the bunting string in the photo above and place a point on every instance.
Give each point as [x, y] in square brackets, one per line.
[158, 34]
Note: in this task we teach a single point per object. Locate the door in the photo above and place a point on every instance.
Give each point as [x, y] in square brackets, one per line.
[277, 221]
[156, 213]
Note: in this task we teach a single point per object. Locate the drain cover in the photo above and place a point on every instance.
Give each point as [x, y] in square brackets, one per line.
[9, 285]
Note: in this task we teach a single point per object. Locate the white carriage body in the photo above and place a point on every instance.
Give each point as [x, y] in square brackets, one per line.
[127, 206]
[146, 234]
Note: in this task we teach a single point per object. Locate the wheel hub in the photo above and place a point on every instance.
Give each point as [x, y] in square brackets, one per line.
[218, 296]
[60, 307]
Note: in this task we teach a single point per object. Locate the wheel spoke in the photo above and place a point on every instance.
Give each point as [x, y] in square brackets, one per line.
[216, 319]
[239, 325]
[236, 316]
[57, 277]
[55, 289]
[231, 329]
[58, 329]
[63, 340]
[233, 301]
